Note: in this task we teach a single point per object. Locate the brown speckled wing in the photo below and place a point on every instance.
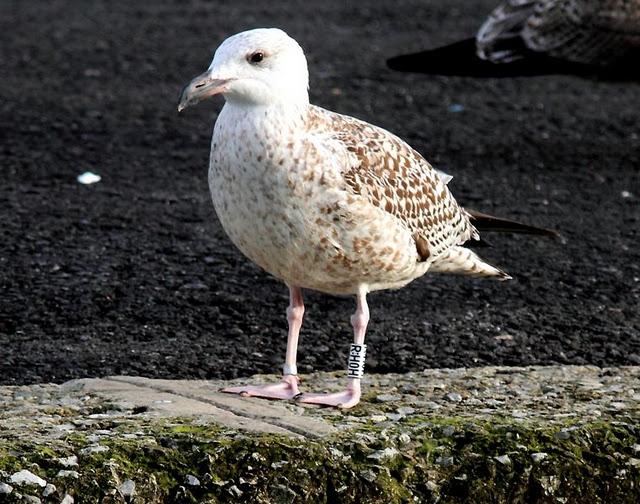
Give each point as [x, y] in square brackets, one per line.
[598, 32]
[396, 178]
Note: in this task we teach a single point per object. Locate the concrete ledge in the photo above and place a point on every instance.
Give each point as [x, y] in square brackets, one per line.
[538, 434]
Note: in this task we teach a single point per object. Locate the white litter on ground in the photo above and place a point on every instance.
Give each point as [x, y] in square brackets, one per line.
[88, 177]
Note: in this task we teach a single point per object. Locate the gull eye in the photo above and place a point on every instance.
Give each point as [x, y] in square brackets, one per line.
[256, 57]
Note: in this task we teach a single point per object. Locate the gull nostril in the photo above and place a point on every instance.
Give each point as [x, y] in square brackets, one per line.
[199, 86]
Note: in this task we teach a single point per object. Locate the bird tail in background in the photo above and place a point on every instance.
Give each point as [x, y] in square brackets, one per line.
[499, 39]
[488, 223]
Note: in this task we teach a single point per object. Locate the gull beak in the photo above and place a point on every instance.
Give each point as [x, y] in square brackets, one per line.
[201, 87]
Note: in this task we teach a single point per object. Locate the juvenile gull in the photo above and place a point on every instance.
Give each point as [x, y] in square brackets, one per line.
[595, 32]
[320, 200]
[533, 37]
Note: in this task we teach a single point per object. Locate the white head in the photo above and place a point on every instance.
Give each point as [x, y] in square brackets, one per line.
[262, 67]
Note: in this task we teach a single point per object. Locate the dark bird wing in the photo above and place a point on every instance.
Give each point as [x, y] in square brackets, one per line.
[594, 32]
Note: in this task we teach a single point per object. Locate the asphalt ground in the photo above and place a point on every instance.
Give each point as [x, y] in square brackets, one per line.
[134, 275]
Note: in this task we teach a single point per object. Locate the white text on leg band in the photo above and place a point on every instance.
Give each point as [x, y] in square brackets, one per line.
[355, 363]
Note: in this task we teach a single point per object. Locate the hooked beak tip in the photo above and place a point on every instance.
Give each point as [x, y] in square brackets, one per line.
[186, 97]
[201, 87]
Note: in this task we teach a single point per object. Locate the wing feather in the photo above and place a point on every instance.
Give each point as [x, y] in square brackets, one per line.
[394, 177]
[598, 32]
[584, 31]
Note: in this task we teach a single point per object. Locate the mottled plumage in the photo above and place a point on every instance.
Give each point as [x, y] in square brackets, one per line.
[594, 32]
[321, 200]
[345, 203]
[396, 178]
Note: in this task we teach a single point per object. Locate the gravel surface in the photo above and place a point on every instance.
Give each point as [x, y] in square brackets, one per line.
[134, 275]
[556, 434]
[549, 396]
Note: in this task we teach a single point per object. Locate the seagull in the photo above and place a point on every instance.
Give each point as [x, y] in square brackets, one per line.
[533, 37]
[324, 201]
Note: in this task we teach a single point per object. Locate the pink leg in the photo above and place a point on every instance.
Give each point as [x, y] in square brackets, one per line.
[288, 387]
[351, 395]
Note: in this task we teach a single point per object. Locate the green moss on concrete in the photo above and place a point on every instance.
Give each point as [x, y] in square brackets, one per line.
[444, 460]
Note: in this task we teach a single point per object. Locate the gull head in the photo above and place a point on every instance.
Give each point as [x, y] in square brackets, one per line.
[256, 67]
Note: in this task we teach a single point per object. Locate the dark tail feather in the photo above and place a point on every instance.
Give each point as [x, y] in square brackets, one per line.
[485, 222]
